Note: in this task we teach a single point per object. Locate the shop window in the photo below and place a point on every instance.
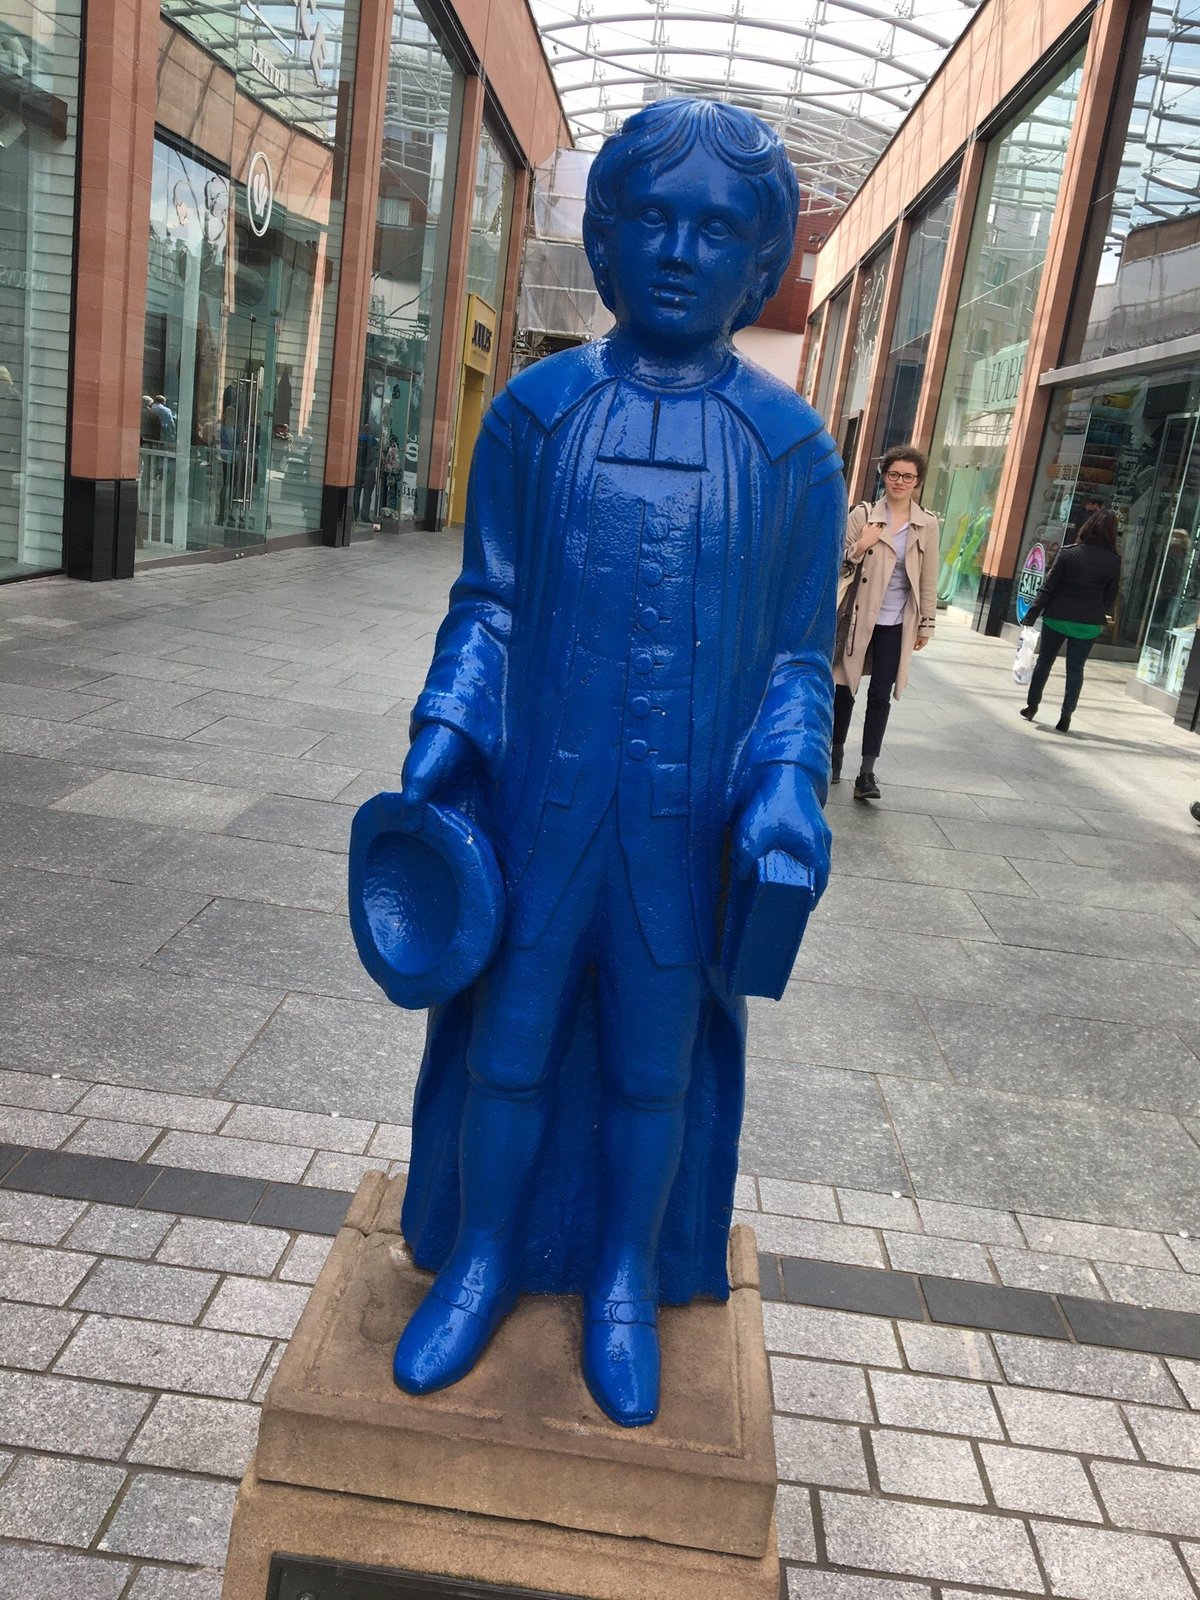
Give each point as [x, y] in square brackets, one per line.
[39, 97]
[810, 353]
[1005, 257]
[832, 351]
[862, 353]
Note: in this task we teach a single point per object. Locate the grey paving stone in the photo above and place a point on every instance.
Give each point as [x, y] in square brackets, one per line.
[1117, 887]
[89, 918]
[1034, 1269]
[319, 1052]
[29, 781]
[866, 1210]
[42, 1130]
[804, 1585]
[1025, 844]
[119, 1231]
[224, 1246]
[1146, 1286]
[36, 1218]
[904, 907]
[952, 869]
[1087, 930]
[329, 1170]
[827, 1453]
[1084, 1370]
[794, 1523]
[818, 1241]
[135, 752]
[1091, 1564]
[1151, 1499]
[50, 1413]
[1128, 1245]
[312, 777]
[140, 1289]
[886, 827]
[1044, 1155]
[215, 1437]
[323, 1132]
[1039, 1482]
[937, 1405]
[973, 1223]
[948, 1352]
[1186, 1252]
[242, 869]
[1018, 1051]
[395, 1143]
[63, 841]
[820, 1389]
[268, 1372]
[915, 966]
[189, 1360]
[40, 1092]
[923, 1467]
[31, 1336]
[1187, 1376]
[242, 733]
[1064, 1422]
[1170, 1438]
[190, 1113]
[745, 1192]
[818, 1126]
[126, 1025]
[44, 1277]
[830, 1335]
[124, 1141]
[320, 824]
[161, 722]
[305, 1259]
[33, 1572]
[166, 802]
[44, 1499]
[34, 736]
[169, 1518]
[929, 1542]
[247, 1158]
[272, 946]
[176, 1583]
[250, 1305]
[776, 1195]
[946, 1258]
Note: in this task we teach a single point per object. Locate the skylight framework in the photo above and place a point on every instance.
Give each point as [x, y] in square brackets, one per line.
[835, 78]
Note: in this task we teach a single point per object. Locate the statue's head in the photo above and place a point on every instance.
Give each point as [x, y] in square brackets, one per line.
[690, 221]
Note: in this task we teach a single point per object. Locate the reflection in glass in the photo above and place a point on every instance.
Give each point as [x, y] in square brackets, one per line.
[1147, 282]
[831, 353]
[1007, 251]
[862, 352]
[810, 354]
[490, 218]
[420, 128]
[39, 69]
[905, 368]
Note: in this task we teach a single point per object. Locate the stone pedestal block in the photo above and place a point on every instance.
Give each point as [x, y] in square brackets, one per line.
[512, 1477]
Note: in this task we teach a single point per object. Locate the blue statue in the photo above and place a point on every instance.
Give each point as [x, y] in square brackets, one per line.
[630, 700]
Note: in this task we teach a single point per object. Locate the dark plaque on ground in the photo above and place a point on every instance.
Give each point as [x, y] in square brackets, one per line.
[300, 1578]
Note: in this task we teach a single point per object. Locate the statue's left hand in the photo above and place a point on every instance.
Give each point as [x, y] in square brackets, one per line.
[784, 814]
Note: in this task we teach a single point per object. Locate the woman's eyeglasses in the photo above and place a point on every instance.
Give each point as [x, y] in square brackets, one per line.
[901, 477]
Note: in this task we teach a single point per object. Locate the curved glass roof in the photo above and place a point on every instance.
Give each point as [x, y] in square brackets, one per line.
[835, 78]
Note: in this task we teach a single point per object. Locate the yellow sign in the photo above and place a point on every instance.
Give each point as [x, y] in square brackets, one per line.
[479, 350]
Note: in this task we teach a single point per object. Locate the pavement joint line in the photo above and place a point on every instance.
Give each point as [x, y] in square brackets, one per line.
[790, 1280]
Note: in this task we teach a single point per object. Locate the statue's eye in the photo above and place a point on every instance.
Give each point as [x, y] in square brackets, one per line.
[652, 217]
[717, 230]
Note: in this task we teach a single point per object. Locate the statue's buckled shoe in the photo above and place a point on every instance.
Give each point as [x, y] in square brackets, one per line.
[621, 1360]
[446, 1335]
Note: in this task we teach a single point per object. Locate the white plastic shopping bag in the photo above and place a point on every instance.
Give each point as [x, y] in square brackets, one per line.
[1027, 649]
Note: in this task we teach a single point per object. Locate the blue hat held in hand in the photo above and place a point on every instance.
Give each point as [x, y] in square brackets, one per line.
[426, 904]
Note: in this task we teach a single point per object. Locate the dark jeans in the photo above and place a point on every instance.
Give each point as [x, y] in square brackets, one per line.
[1078, 651]
[885, 664]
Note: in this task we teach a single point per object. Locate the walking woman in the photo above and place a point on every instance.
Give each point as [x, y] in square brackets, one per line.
[1079, 592]
[893, 607]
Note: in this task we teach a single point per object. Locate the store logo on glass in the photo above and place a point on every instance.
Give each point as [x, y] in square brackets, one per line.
[312, 31]
[260, 193]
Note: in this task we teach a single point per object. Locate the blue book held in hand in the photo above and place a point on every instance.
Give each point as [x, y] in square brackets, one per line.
[765, 919]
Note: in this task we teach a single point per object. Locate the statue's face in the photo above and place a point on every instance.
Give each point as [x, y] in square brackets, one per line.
[682, 256]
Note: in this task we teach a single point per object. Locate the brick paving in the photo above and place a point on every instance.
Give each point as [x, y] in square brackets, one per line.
[985, 1072]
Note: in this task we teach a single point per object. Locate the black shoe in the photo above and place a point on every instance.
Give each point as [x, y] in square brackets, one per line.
[1029, 712]
[835, 763]
[865, 787]
[1063, 725]
[1194, 808]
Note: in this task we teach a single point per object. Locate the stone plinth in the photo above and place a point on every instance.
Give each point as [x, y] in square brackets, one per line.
[513, 1476]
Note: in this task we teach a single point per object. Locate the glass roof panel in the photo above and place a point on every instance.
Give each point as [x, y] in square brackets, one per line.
[835, 78]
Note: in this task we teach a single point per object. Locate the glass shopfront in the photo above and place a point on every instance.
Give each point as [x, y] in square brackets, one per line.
[862, 352]
[905, 368]
[831, 353]
[1005, 257]
[420, 138]
[810, 354]
[39, 103]
[243, 268]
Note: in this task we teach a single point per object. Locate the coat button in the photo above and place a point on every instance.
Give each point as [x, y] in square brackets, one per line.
[643, 661]
[638, 749]
[652, 573]
[640, 706]
[648, 618]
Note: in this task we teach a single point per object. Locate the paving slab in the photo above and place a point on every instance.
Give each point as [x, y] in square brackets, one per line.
[818, 1125]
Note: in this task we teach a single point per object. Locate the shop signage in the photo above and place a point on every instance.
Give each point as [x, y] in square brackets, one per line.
[260, 193]
[996, 379]
[311, 31]
[481, 334]
[266, 70]
[1030, 580]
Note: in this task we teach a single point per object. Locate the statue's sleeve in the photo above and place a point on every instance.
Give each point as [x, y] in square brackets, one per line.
[465, 685]
[795, 720]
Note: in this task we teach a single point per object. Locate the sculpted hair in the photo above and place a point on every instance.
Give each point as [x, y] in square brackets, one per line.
[663, 135]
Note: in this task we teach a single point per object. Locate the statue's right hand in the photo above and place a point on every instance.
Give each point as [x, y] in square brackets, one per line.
[438, 753]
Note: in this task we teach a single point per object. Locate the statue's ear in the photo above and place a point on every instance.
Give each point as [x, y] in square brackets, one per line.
[593, 243]
[756, 299]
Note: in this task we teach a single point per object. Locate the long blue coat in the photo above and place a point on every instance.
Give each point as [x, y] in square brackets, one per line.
[769, 549]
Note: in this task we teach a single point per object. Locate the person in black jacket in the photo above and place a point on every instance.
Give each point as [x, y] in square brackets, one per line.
[1079, 593]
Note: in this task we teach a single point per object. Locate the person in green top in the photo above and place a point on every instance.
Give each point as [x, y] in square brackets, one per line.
[1077, 596]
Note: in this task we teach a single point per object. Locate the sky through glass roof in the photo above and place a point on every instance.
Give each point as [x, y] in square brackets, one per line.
[835, 78]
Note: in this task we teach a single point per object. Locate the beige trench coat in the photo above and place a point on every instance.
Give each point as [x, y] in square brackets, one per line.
[920, 614]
